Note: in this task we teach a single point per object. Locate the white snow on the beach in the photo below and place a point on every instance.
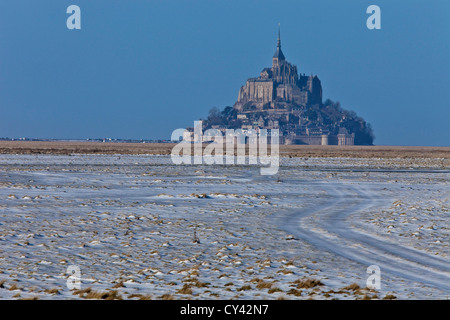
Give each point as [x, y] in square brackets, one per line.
[128, 222]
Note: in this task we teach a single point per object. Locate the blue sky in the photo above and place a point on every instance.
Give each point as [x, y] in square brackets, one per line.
[141, 68]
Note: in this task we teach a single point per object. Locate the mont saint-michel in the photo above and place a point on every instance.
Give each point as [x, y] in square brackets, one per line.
[281, 98]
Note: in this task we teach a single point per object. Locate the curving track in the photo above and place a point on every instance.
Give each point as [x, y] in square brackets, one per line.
[327, 227]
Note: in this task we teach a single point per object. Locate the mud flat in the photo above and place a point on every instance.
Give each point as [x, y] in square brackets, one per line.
[72, 147]
[139, 227]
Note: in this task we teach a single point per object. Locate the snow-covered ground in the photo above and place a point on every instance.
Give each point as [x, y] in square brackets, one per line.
[128, 222]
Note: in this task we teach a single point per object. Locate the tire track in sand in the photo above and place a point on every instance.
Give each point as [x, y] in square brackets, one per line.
[327, 227]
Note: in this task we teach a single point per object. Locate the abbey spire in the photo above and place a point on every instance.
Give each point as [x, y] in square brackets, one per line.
[278, 56]
[279, 38]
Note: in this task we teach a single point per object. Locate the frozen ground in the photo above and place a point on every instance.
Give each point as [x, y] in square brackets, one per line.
[128, 222]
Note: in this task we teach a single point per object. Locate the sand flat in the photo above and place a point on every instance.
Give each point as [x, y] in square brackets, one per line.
[73, 147]
[129, 223]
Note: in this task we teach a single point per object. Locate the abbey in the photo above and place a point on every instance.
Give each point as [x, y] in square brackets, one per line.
[280, 98]
[278, 87]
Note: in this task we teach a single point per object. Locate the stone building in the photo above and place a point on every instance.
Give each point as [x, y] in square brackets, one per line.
[344, 138]
[281, 98]
[278, 86]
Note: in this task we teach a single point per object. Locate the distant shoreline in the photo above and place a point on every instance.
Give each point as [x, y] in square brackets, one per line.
[89, 147]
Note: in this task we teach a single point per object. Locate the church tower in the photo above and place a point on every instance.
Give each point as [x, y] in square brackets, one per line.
[278, 56]
[278, 87]
[282, 71]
